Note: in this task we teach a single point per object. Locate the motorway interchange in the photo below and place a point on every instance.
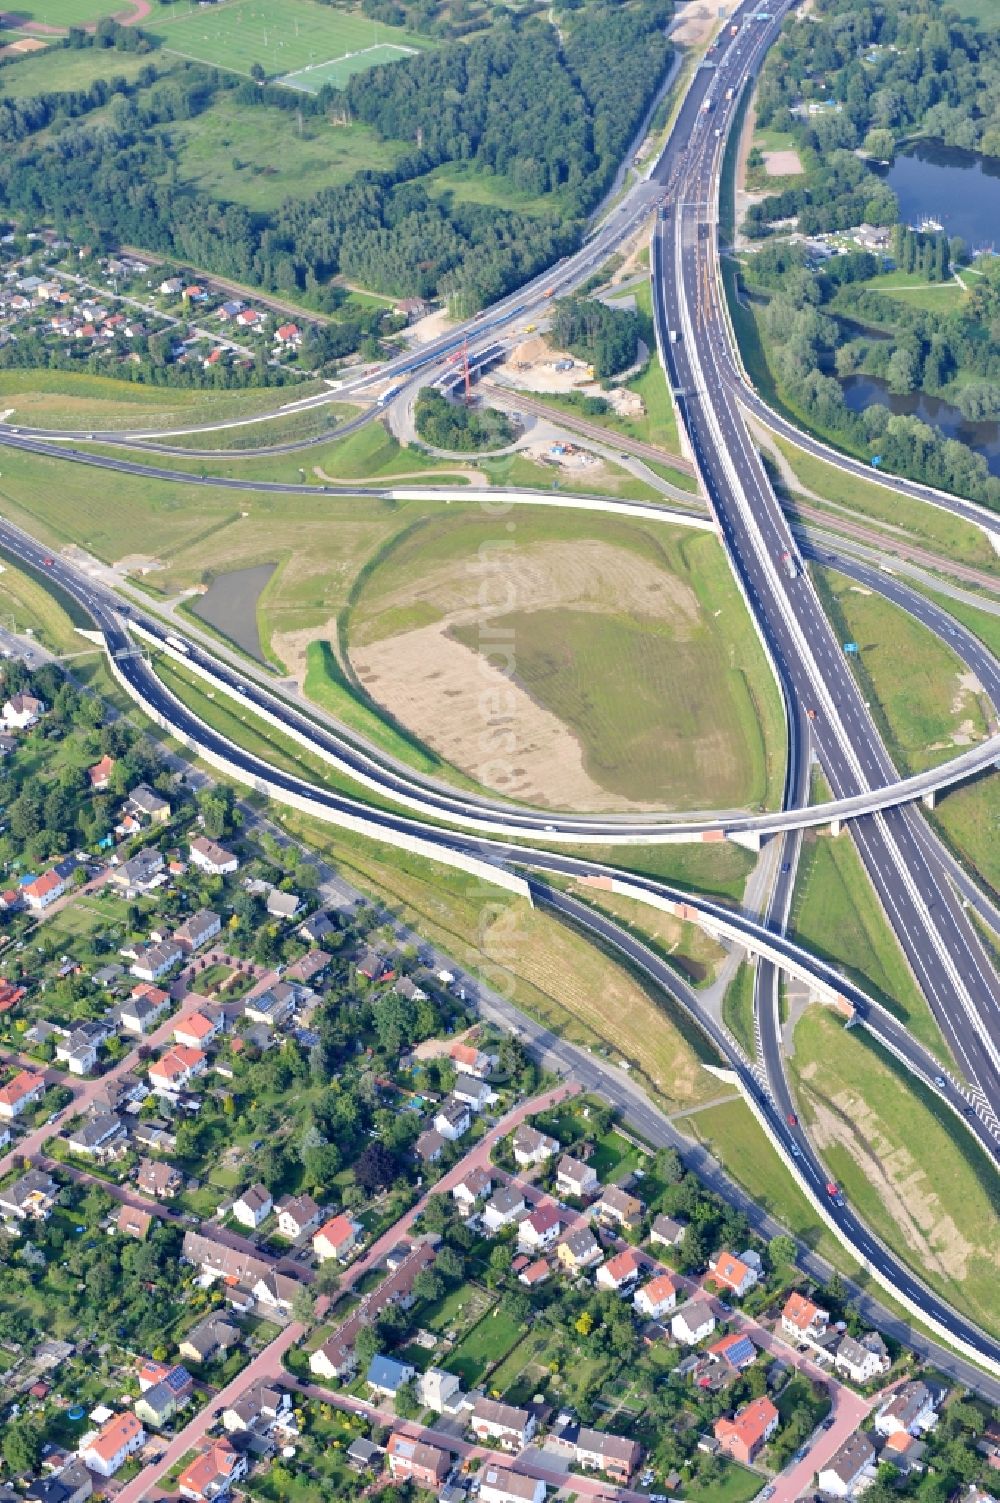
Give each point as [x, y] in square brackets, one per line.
[923, 892]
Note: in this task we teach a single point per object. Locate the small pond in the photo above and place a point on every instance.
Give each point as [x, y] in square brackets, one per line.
[230, 606]
[861, 391]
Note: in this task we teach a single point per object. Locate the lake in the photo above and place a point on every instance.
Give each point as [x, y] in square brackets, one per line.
[960, 189]
[861, 391]
[230, 605]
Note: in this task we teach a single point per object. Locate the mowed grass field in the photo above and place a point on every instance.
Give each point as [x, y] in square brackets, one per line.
[59, 70]
[930, 712]
[636, 673]
[300, 34]
[547, 969]
[836, 914]
[70, 399]
[59, 13]
[277, 159]
[906, 1163]
[948, 534]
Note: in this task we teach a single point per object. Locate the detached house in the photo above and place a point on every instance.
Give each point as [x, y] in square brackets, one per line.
[574, 1177]
[106, 1450]
[532, 1147]
[100, 774]
[579, 1250]
[23, 1091]
[100, 1137]
[387, 1376]
[196, 931]
[337, 1238]
[177, 1067]
[43, 891]
[253, 1206]
[212, 858]
[613, 1455]
[853, 1464]
[745, 1435]
[159, 1179]
[145, 803]
[504, 1208]
[452, 1119]
[213, 1472]
[666, 1231]
[414, 1460]
[737, 1351]
[297, 1214]
[144, 1008]
[30, 1197]
[472, 1091]
[802, 1320]
[153, 961]
[138, 875]
[732, 1273]
[620, 1271]
[617, 1208]
[498, 1484]
[473, 1061]
[476, 1185]
[540, 1229]
[693, 1323]
[197, 1029]
[863, 1360]
[22, 711]
[912, 1408]
[657, 1298]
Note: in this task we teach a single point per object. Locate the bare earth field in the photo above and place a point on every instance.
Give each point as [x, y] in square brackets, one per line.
[782, 163]
[566, 671]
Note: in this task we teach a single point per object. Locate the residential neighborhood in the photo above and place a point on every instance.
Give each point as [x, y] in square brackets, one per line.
[277, 1205]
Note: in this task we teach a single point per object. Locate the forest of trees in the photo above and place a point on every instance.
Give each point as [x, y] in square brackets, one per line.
[553, 118]
[876, 75]
[452, 425]
[607, 338]
[806, 343]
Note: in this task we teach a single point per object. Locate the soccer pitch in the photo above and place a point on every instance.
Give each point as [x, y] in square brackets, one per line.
[312, 78]
[299, 42]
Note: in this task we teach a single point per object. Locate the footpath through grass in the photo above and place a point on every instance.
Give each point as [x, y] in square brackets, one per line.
[905, 1161]
[837, 915]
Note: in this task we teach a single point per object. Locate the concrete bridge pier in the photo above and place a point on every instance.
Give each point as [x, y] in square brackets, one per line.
[751, 840]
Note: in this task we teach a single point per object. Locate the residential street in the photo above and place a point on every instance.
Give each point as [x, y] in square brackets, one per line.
[85, 1091]
[268, 1364]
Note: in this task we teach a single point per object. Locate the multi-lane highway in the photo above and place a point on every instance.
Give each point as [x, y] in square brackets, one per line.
[137, 673]
[826, 709]
[941, 944]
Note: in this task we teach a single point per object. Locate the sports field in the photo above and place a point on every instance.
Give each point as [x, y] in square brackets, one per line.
[302, 43]
[57, 14]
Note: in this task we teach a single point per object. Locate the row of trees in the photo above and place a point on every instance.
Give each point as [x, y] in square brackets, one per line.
[922, 254]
